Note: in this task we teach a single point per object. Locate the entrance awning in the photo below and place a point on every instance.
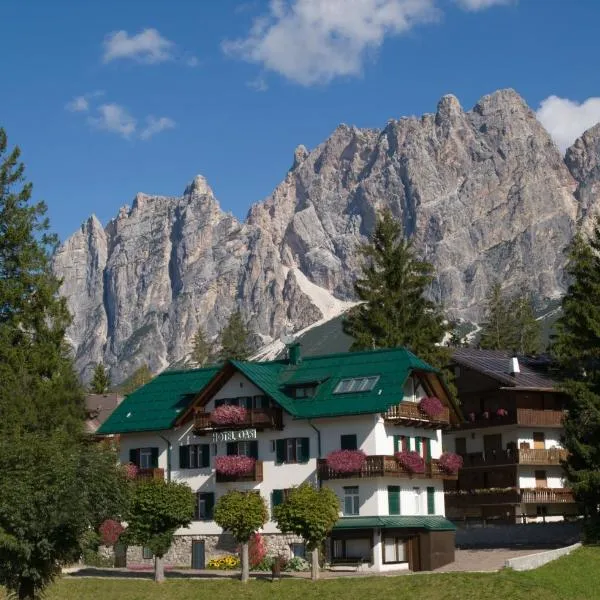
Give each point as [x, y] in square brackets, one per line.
[429, 523]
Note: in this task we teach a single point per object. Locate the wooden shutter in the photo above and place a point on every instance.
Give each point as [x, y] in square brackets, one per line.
[184, 457]
[204, 458]
[134, 456]
[393, 499]
[304, 450]
[254, 449]
[427, 449]
[232, 448]
[404, 441]
[154, 457]
[348, 442]
[279, 451]
[431, 501]
[209, 503]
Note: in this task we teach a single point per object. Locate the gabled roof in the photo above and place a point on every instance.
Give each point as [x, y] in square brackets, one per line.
[495, 364]
[168, 399]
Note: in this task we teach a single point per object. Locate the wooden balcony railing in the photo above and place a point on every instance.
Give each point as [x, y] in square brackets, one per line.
[547, 495]
[259, 418]
[511, 496]
[255, 475]
[146, 474]
[545, 418]
[409, 413]
[496, 458]
[382, 466]
[527, 417]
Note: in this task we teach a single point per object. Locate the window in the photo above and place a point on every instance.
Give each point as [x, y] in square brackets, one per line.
[292, 450]
[298, 550]
[246, 448]
[205, 505]
[304, 391]
[356, 384]
[394, 550]
[359, 548]
[351, 501]
[393, 499]
[401, 443]
[147, 553]
[409, 390]
[431, 501]
[348, 442]
[194, 456]
[417, 496]
[144, 458]
[460, 445]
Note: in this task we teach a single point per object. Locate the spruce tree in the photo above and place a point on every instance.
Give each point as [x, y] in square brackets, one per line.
[527, 330]
[141, 376]
[234, 340]
[201, 349]
[394, 310]
[576, 347]
[100, 381]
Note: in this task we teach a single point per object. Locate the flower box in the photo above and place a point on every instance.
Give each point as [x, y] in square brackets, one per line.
[431, 406]
[450, 462]
[411, 461]
[346, 461]
[229, 414]
[234, 465]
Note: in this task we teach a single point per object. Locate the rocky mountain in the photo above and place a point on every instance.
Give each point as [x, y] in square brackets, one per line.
[485, 195]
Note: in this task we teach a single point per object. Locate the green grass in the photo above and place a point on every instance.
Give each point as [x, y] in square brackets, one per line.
[573, 577]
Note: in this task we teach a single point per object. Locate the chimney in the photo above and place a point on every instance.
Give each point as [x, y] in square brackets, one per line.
[294, 354]
[514, 366]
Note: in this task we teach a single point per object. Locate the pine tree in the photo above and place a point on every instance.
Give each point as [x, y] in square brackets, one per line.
[202, 348]
[100, 381]
[577, 350]
[234, 339]
[394, 310]
[527, 330]
[141, 376]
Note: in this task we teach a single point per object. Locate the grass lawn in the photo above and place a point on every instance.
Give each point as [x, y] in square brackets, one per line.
[574, 577]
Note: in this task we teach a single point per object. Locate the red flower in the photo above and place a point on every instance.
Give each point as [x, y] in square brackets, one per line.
[450, 462]
[110, 531]
[346, 461]
[234, 465]
[431, 406]
[412, 461]
[131, 470]
[257, 549]
[229, 414]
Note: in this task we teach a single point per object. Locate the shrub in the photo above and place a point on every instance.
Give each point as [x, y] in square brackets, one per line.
[431, 406]
[264, 565]
[412, 461]
[346, 461]
[224, 563]
[450, 462]
[297, 564]
[110, 531]
[257, 550]
[228, 414]
[234, 465]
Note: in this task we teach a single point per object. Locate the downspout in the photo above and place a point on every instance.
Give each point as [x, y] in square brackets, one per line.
[318, 445]
[169, 446]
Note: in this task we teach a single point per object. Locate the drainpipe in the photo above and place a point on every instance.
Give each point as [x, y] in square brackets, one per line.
[318, 446]
[169, 446]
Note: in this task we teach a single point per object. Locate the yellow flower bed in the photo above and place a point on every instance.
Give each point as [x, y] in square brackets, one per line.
[224, 563]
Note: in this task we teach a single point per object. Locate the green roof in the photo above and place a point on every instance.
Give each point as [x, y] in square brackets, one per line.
[430, 523]
[157, 405]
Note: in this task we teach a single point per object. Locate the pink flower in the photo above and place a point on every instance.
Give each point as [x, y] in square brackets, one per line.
[501, 412]
[131, 470]
[346, 461]
[234, 465]
[431, 406]
[229, 414]
[450, 462]
[412, 461]
[110, 531]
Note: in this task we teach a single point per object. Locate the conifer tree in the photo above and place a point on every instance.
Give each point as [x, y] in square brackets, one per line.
[141, 376]
[394, 310]
[202, 348]
[234, 340]
[577, 350]
[527, 329]
[100, 381]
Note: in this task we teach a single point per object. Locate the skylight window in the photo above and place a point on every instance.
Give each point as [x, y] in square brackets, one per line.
[356, 384]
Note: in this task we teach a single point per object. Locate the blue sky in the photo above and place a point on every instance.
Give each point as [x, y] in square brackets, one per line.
[110, 98]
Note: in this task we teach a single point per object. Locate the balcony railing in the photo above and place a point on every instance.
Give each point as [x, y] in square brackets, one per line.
[511, 496]
[147, 474]
[383, 466]
[531, 417]
[256, 475]
[259, 418]
[547, 495]
[409, 413]
[531, 456]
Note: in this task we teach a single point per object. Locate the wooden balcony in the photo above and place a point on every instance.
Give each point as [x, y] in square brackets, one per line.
[511, 496]
[498, 458]
[257, 418]
[410, 415]
[547, 495]
[524, 417]
[383, 466]
[256, 475]
[147, 474]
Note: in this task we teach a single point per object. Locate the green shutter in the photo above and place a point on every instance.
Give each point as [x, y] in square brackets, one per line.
[205, 455]
[431, 501]
[304, 450]
[184, 457]
[279, 451]
[348, 442]
[209, 500]
[254, 449]
[418, 445]
[276, 498]
[397, 443]
[393, 499]
[134, 456]
[232, 448]
[154, 457]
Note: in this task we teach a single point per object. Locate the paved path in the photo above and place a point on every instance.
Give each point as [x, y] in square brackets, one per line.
[484, 560]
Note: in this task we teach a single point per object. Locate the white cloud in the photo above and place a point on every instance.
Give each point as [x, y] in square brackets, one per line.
[565, 120]
[148, 47]
[474, 5]
[114, 118]
[314, 41]
[154, 126]
[78, 104]
[192, 61]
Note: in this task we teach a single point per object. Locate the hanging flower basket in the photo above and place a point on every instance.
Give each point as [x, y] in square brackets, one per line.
[411, 461]
[501, 412]
[109, 531]
[346, 461]
[131, 470]
[485, 414]
[234, 465]
[228, 414]
[450, 462]
[431, 406]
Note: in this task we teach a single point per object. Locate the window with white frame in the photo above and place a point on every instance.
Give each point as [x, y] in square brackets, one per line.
[418, 500]
[351, 501]
[394, 550]
[356, 384]
[145, 458]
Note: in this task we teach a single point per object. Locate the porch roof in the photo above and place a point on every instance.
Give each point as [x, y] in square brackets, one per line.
[429, 523]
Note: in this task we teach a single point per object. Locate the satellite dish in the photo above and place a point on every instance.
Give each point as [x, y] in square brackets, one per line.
[286, 336]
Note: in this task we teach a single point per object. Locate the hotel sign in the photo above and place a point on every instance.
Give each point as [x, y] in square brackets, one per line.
[234, 436]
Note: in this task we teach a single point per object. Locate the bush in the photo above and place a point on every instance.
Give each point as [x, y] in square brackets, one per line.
[91, 558]
[265, 564]
[110, 531]
[346, 461]
[224, 563]
[297, 564]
